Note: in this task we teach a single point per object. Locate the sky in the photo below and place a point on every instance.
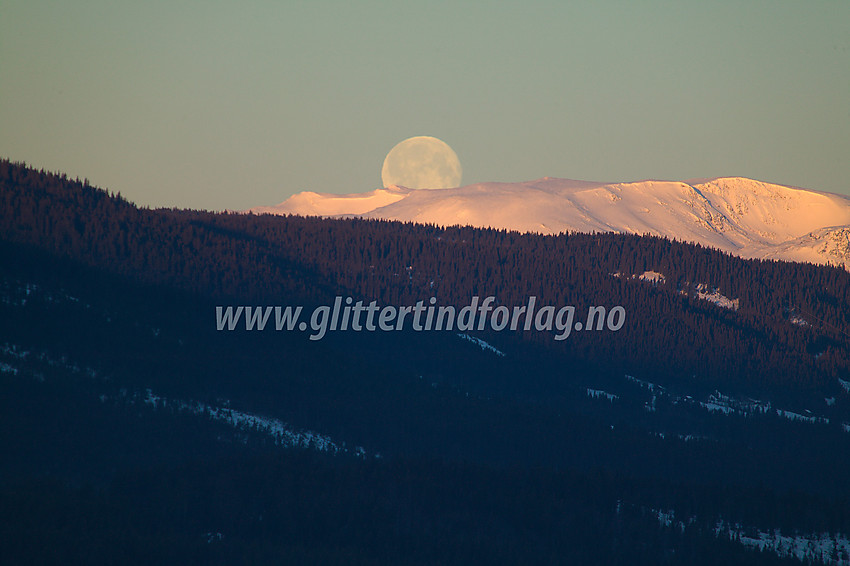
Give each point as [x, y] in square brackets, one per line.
[228, 105]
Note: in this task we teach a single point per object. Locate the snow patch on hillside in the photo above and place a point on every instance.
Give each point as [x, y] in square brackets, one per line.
[19, 293]
[644, 384]
[808, 418]
[486, 346]
[14, 351]
[6, 368]
[280, 432]
[822, 548]
[652, 277]
[713, 295]
[600, 394]
[830, 549]
[721, 403]
[701, 290]
[718, 402]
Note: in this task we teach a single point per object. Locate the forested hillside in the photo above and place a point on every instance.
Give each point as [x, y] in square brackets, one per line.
[670, 334]
[136, 432]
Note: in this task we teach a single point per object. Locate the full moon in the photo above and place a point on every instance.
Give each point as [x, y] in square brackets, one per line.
[422, 162]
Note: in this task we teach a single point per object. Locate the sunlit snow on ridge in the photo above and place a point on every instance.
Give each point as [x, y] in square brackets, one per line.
[742, 216]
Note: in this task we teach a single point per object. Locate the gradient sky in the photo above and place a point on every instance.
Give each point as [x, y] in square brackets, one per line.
[217, 105]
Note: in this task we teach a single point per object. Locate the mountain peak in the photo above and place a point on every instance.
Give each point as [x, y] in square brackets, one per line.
[739, 215]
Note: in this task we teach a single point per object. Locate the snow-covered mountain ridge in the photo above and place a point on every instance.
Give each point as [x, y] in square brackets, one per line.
[749, 218]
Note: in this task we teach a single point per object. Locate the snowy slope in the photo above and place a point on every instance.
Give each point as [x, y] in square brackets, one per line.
[322, 204]
[738, 215]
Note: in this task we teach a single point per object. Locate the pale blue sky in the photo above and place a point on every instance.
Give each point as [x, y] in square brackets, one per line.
[214, 105]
